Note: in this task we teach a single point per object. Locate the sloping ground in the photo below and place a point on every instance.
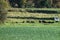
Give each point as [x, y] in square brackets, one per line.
[35, 14]
[27, 14]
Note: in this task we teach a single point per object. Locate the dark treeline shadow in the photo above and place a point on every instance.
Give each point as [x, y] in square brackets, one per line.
[32, 18]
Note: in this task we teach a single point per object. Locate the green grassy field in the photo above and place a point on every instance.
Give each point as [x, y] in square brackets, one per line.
[29, 31]
[35, 31]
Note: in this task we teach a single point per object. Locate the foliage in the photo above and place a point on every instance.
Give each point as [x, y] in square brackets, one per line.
[32, 3]
[3, 12]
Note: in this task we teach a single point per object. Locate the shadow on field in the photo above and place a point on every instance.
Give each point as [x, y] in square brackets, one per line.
[42, 11]
[32, 18]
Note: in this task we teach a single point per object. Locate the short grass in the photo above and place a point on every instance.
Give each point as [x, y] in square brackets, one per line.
[30, 31]
[27, 14]
[51, 9]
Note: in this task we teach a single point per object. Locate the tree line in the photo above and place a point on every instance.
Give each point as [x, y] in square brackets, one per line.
[34, 3]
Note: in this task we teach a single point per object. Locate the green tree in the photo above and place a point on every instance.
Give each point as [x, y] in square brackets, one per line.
[30, 4]
[42, 3]
[3, 12]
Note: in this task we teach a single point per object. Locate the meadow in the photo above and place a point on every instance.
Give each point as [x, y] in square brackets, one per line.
[14, 30]
[29, 31]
